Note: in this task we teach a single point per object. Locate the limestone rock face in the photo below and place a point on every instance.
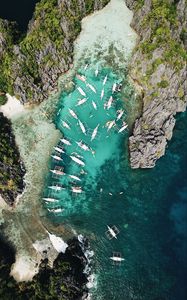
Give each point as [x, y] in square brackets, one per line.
[163, 84]
[4, 35]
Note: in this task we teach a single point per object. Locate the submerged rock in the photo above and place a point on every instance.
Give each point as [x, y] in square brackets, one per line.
[159, 66]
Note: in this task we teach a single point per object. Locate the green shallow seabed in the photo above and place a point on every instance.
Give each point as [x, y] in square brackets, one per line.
[147, 213]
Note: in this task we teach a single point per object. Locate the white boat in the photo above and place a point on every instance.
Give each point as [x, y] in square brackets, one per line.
[86, 67]
[56, 210]
[57, 172]
[64, 124]
[58, 149]
[81, 91]
[82, 127]
[81, 77]
[121, 112]
[114, 87]
[50, 200]
[117, 259]
[75, 177]
[77, 160]
[91, 88]
[81, 101]
[110, 124]
[109, 103]
[76, 189]
[105, 105]
[73, 114]
[78, 155]
[66, 142]
[105, 79]
[59, 111]
[123, 127]
[102, 94]
[56, 187]
[56, 157]
[113, 231]
[94, 132]
[84, 147]
[96, 72]
[94, 105]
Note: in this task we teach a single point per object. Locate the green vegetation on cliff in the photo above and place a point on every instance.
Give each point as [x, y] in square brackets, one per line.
[3, 98]
[48, 284]
[65, 281]
[11, 173]
[163, 22]
[8, 32]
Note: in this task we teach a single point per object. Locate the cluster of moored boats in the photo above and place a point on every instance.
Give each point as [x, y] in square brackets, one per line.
[60, 150]
[107, 105]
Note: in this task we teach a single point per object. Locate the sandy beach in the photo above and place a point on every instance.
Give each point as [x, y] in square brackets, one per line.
[24, 268]
[12, 108]
[2, 203]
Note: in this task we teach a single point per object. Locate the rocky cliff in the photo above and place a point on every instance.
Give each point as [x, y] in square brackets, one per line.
[6, 43]
[158, 67]
[32, 65]
[11, 167]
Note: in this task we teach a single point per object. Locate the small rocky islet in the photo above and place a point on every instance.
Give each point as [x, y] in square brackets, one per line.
[30, 65]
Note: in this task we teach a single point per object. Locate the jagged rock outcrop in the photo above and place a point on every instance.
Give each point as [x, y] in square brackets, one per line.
[159, 67]
[35, 64]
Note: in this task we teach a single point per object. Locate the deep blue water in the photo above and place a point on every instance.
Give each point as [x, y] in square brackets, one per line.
[18, 10]
[151, 214]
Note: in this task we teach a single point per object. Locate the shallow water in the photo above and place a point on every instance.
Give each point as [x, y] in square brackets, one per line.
[101, 39]
[101, 149]
[147, 206]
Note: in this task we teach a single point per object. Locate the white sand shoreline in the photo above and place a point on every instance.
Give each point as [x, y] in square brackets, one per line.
[12, 108]
[3, 204]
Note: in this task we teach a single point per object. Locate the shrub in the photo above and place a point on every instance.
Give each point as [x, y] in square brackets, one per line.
[163, 84]
[3, 99]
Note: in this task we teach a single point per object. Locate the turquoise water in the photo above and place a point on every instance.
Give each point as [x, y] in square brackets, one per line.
[148, 206]
[104, 147]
